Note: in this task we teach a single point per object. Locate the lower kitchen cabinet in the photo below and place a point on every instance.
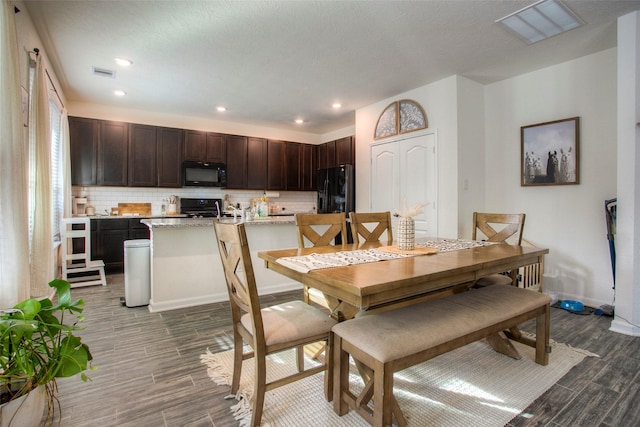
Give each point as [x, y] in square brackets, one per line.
[107, 240]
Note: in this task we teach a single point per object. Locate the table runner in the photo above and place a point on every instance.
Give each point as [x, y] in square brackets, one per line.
[306, 263]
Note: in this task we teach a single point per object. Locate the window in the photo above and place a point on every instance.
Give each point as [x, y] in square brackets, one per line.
[57, 171]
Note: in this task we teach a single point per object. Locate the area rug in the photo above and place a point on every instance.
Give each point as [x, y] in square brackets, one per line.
[472, 385]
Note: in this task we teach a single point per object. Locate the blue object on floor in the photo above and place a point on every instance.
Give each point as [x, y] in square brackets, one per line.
[572, 305]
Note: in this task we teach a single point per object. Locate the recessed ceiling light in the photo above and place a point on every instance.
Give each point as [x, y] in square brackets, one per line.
[119, 93]
[299, 121]
[124, 62]
[336, 105]
[221, 109]
[541, 20]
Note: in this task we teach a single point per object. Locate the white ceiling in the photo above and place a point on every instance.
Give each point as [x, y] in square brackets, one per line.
[270, 62]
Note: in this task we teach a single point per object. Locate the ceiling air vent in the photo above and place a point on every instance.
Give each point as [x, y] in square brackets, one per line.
[104, 72]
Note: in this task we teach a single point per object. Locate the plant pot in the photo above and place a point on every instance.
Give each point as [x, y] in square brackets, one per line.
[24, 411]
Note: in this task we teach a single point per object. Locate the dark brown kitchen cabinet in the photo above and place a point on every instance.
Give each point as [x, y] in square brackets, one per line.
[256, 163]
[143, 150]
[275, 165]
[84, 135]
[108, 237]
[322, 156]
[112, 153]
[309, 166]
[331, 154]
[216, 151]
[205, 146]
[292, 166]
[336, 153]
[108, 244]
[236, 161]
[195, 145]
[345, 154]
[169, 160]
[138, 230]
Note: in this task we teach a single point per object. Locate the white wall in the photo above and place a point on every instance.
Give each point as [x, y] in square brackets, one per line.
[627, 305]
[568, 219]
[439, 101]
[471, 149]
[96, 111]
[479, 148]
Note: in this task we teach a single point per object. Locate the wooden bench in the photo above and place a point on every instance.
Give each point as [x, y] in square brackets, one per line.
[391, 341]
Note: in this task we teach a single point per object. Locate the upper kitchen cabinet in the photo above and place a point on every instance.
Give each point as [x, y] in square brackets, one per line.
[195, 145]
[216, 151]
[331, 154]
[112, 153]
[205, 146]
[336, 153]
[169, 160]
[236, 161]
[322, 156]
[275, 165]
[345, 151]
[256, 163]
[143, 150]
[84, 135]
[309, 166]
[292, 167]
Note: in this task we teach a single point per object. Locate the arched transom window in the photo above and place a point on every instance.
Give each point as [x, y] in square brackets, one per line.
[400, 117]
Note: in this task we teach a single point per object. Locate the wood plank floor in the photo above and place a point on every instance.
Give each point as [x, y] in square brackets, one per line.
[149, 371]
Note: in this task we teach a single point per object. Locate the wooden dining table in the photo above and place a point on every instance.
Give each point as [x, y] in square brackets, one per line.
[378, 285]
[353, 289]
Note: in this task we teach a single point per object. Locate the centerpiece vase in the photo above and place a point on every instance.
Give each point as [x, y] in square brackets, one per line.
[406, 234]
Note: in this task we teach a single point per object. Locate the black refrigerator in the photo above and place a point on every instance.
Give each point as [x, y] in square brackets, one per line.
[336, 192]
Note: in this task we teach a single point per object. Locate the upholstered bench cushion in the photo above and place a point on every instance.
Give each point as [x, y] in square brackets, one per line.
[394, 334]
[290, 321]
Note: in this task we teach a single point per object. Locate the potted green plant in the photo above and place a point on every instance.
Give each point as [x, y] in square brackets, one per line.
[37, 346]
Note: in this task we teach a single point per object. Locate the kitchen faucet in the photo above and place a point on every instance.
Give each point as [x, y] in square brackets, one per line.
[235, 212]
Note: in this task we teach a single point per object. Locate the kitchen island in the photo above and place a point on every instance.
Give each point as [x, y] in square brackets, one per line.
[185, 264]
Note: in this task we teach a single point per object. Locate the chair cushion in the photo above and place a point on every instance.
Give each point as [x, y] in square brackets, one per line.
[291, 321]
[494, 279]
[394, 334]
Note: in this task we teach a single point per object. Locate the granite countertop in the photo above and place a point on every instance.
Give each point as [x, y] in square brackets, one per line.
[164, 222]
[134, 216]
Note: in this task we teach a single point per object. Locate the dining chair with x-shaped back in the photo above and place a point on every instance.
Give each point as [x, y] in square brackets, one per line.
[503, 228]
[269, 330]
[370, 227]
[320, 230]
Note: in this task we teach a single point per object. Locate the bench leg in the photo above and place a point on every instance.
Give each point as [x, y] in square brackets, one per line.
[542, 337]
[382, 395]
[502, 345]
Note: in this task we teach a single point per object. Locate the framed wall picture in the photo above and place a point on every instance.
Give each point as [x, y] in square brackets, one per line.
[549, 153]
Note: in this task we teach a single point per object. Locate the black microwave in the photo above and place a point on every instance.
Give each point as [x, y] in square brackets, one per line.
[203, 174]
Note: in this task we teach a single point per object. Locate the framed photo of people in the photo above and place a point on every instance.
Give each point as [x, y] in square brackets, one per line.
[549, 153]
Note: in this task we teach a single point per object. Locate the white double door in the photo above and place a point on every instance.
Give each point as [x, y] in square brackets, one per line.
[404, 171]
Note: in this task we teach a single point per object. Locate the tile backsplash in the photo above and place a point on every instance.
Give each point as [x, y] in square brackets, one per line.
[104, 198]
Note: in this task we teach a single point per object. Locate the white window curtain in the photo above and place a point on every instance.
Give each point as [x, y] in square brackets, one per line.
[42, 259]
[66, 164]
[57, 182]
[14, 231]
